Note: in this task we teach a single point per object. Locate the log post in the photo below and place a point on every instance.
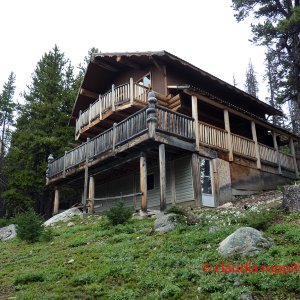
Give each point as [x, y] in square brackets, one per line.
[254, 137]
[172, 182]
[227, 128]
[196, 179]
[277, 151]
[91, 195]
[86, 176]
[162, 176]
[113, 98]
[292, 147]
[131, 96]
[143, 182]
[195, 122]
[56, 201]
[151, 114]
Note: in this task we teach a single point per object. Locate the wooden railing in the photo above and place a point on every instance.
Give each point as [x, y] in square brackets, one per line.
[114, 97]
[286, 161]
[212, 136]
[174, 123]
[268, 154]
[243, 146]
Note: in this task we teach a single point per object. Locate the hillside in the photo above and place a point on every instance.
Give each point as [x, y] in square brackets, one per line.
[93, 260]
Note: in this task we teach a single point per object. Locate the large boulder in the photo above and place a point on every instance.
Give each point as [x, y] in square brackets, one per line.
[8, 232]
[245, 241]
[291, 197]
[165, 223]
[64, 216]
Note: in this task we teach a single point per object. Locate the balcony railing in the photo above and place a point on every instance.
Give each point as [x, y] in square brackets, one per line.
[119, 95]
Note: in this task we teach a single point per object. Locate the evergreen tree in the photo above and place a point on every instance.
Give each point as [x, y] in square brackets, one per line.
[7, 107]
[41, 129]
[234, 83]
[278, 26]
[251, 84]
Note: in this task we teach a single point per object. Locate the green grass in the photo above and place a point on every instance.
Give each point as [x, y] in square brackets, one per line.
[94, 260]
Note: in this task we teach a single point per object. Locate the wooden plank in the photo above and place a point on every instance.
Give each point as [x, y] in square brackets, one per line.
[254, 136]
[91, 195]
[172, 182]
[277, 151]
[195, 122]
[113, 98]
[161, 137]
[196, 179]
[56, 201]
[143, 182]
[131, 90]
[229, 140]
[88, 93]
[162, 176]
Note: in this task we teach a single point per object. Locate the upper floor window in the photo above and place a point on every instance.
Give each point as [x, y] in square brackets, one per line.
[145, 80]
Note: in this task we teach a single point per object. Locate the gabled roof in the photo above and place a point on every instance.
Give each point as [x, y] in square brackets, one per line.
[103, 68]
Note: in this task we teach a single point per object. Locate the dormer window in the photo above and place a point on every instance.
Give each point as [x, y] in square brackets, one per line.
[145, 80]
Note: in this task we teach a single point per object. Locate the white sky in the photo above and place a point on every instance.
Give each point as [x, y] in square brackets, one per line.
[201, 32]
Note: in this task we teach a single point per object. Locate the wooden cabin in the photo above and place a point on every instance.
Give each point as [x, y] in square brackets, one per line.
[155, 130]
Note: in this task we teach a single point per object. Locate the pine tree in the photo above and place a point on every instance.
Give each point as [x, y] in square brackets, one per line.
[251, 84]
[41, 129]
[7, 107]
[234, 83]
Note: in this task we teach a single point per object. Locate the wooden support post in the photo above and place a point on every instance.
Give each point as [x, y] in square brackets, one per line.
[113, 98]
[277, 151]
[90, 114]
[56, 201]
[195, 122]
[292, 147]
[229, 140]
[172, 182]
[254, 137]
[100, 107]
[151, 114]
[143, 182]
[86, 176]
[91, 195]
[131, 90]
[196, 179]
[162, 176]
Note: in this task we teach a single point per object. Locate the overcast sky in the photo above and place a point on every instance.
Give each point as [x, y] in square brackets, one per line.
[201, 32]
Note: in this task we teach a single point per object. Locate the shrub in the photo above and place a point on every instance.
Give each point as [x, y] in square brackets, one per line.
[119, 214]
[47, 235]
[5, 222]
[29, 226]
[183, 216]
[176, 210]
[29, 277]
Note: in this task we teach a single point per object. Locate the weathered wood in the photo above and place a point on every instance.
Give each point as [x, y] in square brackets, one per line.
[88, 93]
[162, 176]
[292, 147]
[86, 177]
[113, 98]
[91, 195]
[143, 182]
[277, 151]
[161, 137]
[215, 182]
[64, 171]
[131, 90]
[196, 179]
[254, 137]
[227, 128]
[100, 107]
[114, 138]
[172, 182]
[151, 114]
[56, 201]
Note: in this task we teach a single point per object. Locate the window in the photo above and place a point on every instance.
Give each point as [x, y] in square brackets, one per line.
[145, 81]
[150, 182]
[205, 174]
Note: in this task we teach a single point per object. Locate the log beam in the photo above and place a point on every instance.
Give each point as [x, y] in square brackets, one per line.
[88, 93]
[91, 195]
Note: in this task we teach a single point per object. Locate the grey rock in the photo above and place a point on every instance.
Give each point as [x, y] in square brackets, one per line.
[8, 232]
[246, 297]
[291, 197]
[165, 223]
[213, 229]
[71, 224]
[64, 216]
[245, 241]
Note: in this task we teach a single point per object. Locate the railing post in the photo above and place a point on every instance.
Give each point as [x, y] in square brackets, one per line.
[50, 160]
[195, 122]
[100, 107]
[131, 90]
[113, 98]
[90, 114]
[292, 147]
[64, 171]
[254, 137]
[143, 182]
[227, 128]
[86, 175]
[277, 151]
[151, 114]
[162, 176]
[114, 137]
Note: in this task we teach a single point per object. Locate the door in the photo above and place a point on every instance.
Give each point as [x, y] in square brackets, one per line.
[206, 183]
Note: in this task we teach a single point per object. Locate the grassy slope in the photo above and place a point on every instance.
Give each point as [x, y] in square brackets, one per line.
[130, 262]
